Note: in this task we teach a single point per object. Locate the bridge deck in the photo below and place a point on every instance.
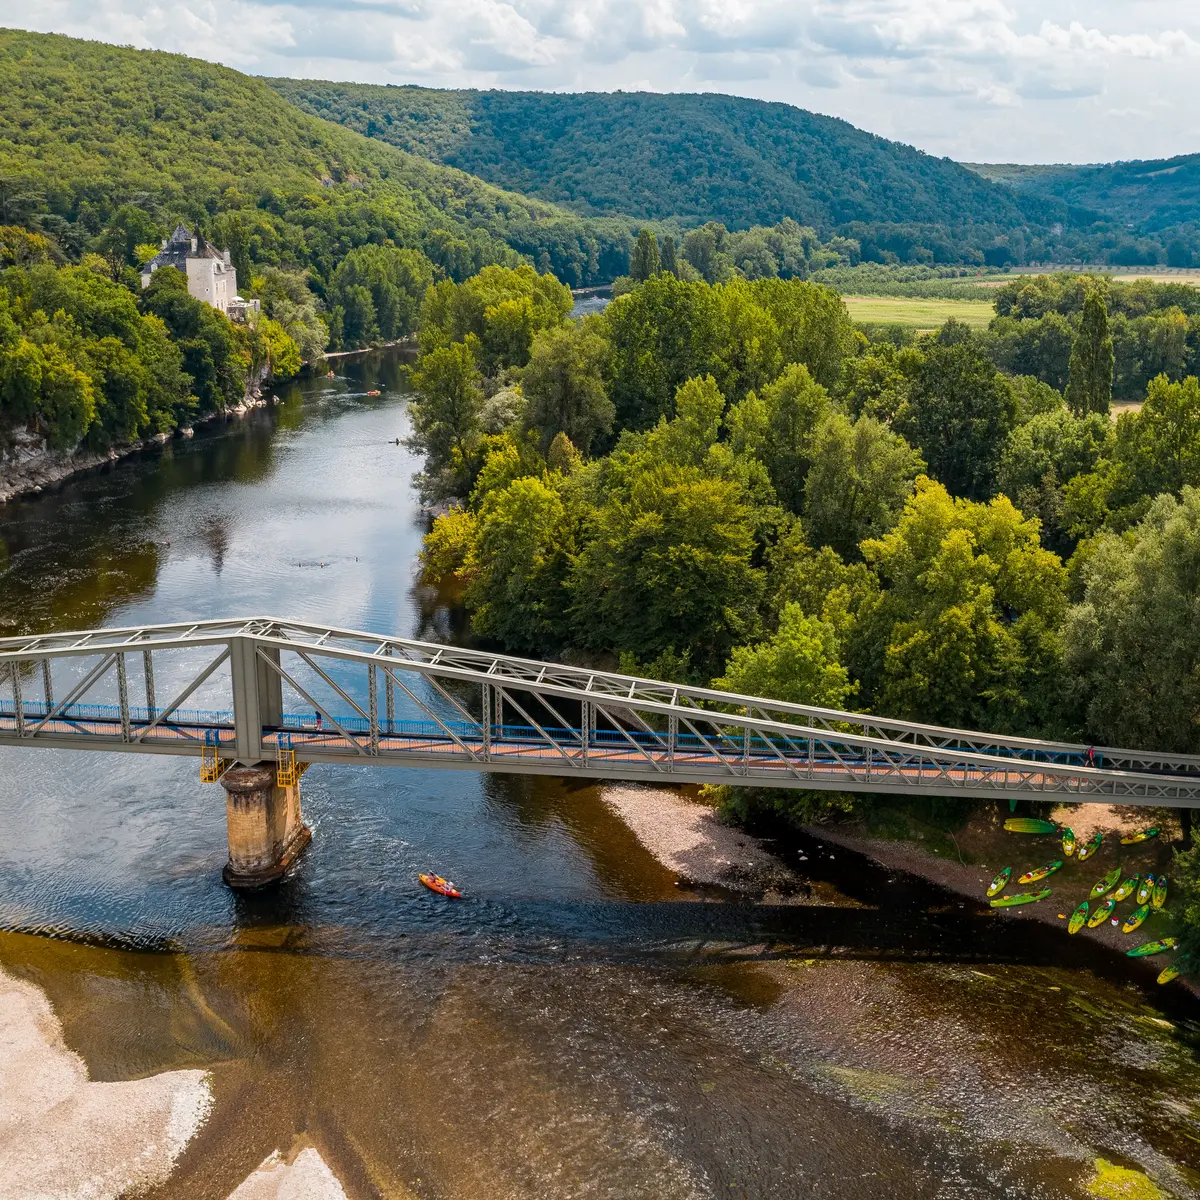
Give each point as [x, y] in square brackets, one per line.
[603, 754]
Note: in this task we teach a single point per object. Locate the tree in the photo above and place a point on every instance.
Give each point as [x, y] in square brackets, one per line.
[964, 630]
[564, 384]
[797, 664]
[644, 261]
[814, 327]
[1043, 455]
[663, 332]
[670, 565]
[446, 417]
[860, 478]
[668, 261]
[517, 565]
[393, 279]
[1090, 374]
[1133, 643]
[959, 413]
[1160, 445]
[776, 425]
[128, 228]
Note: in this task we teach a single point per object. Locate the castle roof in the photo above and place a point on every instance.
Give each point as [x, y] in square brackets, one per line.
[181, 246]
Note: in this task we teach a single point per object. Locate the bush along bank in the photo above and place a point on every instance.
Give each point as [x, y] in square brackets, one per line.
[93, 367]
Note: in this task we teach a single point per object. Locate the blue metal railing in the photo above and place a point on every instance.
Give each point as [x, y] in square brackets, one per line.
[600, 740]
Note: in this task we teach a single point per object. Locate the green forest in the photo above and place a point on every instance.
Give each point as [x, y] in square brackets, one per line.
[692, 158]
[730, 484]
[1158, 196]
[86, 128]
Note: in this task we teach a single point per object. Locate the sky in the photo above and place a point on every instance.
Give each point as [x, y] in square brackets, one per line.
[974, 80]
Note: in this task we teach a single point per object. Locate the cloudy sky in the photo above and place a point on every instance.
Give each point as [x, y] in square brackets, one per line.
[984, 80]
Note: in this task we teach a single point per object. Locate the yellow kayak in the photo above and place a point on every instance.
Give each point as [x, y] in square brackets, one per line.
[1078, 918]
[1101, 913]
[1126, 889]
[1168, 973]
[1090, 847]
[1141, 836]
[1135, 918]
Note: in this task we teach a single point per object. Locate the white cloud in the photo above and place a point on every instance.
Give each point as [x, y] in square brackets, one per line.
[1022, 80]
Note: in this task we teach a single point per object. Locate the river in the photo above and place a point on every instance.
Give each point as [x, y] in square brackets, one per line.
[580, 1026]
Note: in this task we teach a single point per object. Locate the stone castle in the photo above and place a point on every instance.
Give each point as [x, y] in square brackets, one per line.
[211, 276]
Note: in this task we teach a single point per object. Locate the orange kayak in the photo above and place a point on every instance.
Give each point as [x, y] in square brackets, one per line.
[443, 887]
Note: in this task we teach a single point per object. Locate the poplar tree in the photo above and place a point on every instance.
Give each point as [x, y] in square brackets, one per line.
[644, 262]
[669, 262]
[1090, 373]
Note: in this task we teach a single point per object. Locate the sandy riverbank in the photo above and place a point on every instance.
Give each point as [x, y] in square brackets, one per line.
[687, 837]
[62, 1135]
[305, 1177]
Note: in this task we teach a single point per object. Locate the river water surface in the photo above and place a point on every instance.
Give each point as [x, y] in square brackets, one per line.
[580, 1026]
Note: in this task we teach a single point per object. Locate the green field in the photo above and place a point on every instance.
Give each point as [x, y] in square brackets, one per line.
[916, 312]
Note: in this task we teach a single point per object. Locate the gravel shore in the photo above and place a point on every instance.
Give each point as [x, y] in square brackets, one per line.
[61, 1135]
[688, 837]
[306, 1177]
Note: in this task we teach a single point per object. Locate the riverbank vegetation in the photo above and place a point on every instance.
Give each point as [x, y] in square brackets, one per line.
[729, 484]
[89, 360]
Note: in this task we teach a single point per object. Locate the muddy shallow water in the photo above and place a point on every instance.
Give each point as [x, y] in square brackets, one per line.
[580, 1025]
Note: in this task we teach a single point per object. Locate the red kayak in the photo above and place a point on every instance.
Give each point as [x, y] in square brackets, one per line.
[443, 887]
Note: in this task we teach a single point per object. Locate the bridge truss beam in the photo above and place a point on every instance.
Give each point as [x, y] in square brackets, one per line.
[267, 683]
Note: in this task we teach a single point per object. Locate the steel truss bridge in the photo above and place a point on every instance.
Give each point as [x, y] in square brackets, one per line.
[265, 690]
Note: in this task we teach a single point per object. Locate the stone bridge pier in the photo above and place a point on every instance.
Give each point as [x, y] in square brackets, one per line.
[267, 832]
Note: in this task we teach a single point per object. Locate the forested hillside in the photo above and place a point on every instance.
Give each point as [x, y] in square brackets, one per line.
[692, 157]
[85, 128]
[1159, 199]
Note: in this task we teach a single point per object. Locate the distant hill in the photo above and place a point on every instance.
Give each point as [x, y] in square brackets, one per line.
[1151, 195]
[655, 156]
[86, 127]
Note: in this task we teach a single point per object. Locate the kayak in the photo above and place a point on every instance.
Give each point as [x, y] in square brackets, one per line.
[1040, 872]
[1167, 943]
[1068, 840]
[443, 887]
[1093, 844]
[1168, 973]
[1020, 898]
[1141, 836]
[1160, 892]
[997, 884]
[1106, 884]
[1101, 913]
[1126, 889]
[1135, 918]
[1078, 918]
[1145, 890]
[1029, 825]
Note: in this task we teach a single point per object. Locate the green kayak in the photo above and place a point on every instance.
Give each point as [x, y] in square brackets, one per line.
[1135, 918]
[1068, 841]
[1029, 825]
[1106, 884]
[997, 884]
[1141, 836]
[1020, 898]
[1101, 913]
[1090, 847]
[1078, 918]
[1167, 943]
[1126, 889]
[1040, 872]
[1160, 892]
[1145, 890]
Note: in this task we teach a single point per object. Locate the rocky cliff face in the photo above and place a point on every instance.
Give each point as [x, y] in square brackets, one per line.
[28, 466]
